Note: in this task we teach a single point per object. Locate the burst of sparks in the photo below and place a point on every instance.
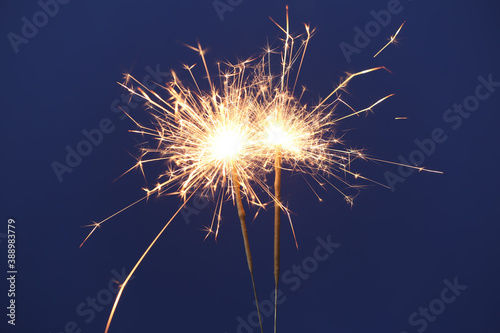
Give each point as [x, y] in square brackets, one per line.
[236, 125]
[203, 137]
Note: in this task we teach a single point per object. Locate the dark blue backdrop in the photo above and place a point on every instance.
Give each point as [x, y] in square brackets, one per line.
[399, 250]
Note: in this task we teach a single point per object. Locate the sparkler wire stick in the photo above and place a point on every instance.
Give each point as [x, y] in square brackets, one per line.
[277, 227]
[277, 190]
[244, 232]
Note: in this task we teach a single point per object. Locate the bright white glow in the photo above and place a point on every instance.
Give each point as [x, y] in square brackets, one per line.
[276, 135]
[227, 144]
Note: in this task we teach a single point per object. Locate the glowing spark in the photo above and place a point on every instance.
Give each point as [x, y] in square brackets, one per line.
[391, 40]
[226, 145]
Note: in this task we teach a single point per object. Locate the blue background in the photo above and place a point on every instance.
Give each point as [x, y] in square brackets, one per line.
[396, 247]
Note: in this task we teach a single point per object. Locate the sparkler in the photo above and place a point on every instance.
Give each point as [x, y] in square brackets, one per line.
[300, 137]
[209, 143]
[223, 141]
[297, 135]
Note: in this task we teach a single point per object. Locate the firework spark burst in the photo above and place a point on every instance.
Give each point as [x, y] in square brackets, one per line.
[223, 141]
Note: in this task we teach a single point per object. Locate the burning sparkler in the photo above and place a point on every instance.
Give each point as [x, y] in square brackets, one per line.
[209, 142]
[298, 136]
[247, 124]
